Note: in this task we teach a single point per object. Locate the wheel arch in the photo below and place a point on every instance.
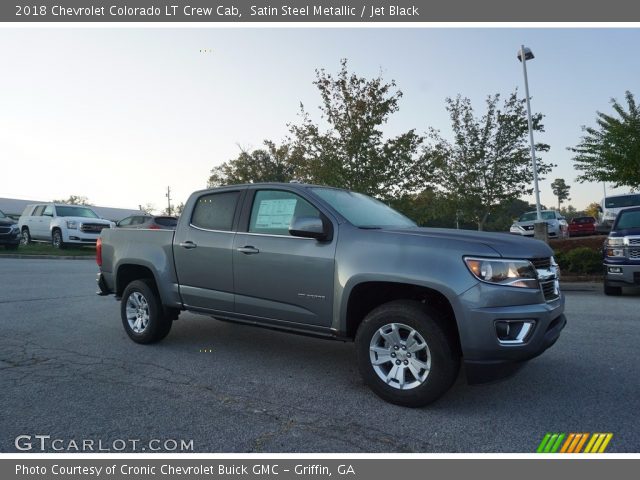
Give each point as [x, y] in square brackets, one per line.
[363, 297]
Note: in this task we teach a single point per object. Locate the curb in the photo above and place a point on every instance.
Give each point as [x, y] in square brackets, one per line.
[48, 257]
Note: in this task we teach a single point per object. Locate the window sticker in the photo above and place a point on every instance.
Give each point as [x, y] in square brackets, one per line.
[275, 214]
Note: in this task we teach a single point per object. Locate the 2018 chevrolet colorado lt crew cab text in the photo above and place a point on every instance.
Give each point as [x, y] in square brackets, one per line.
[339, 264]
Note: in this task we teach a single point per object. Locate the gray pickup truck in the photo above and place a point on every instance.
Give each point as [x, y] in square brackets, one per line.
[316, 260]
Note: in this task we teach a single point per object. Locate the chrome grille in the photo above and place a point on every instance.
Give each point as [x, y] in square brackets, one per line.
[634, 240]
[541, 262]
[549, 290]
[634, 252]
[93, 227]
[5, 230]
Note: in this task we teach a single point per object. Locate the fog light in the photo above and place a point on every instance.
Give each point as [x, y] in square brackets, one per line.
[511, 332]
[615, 269]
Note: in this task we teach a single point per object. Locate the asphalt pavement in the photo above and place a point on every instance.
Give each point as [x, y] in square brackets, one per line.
[68, 371]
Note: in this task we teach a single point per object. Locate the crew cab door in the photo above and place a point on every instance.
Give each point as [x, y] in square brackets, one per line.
[278, 276]
[202, 250]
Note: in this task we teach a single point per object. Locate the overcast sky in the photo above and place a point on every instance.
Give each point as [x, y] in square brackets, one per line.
[119, 114]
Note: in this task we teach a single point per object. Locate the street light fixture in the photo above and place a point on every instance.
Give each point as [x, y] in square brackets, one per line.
[525, 54]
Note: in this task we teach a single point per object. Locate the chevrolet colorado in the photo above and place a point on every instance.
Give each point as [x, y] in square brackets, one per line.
[418, 302]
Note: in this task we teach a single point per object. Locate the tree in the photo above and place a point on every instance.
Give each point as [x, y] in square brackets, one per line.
[592, 209]
[610, 152]
[74, 200]
[561, 190]
[488, 162]
[270, 164]
[352, 151]
[570, 212]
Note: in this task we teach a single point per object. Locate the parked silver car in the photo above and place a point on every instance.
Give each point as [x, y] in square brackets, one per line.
[557, 225]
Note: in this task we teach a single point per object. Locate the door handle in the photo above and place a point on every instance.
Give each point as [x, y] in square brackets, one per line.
[188, 245]
[248, 250]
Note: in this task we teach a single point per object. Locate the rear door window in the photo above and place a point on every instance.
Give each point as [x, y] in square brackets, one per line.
[215, 211]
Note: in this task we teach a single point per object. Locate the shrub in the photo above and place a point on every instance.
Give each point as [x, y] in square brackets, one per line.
[581, 260]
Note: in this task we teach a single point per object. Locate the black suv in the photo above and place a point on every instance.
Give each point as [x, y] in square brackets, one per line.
[9, 232]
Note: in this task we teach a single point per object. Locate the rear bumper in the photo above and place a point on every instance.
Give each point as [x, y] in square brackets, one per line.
[103, 288]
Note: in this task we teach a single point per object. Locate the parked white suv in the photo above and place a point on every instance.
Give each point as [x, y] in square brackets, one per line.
[61, 224]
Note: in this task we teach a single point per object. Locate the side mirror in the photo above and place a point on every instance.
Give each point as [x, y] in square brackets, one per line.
[599, 208]
[309, 227]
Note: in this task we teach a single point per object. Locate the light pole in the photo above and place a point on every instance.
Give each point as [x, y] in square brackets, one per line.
[525, 54]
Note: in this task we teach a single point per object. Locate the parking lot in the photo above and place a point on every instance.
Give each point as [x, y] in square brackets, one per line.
[68, 370]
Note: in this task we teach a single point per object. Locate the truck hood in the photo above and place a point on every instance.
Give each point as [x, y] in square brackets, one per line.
[506, 245]
[100, 221]
[6, 222]
[625, 232]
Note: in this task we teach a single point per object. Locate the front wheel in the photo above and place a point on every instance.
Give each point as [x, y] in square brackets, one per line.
[56, 239]
[404, 354]
[143, 316]
[26, 237]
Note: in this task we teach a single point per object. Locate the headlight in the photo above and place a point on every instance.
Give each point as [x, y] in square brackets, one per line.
[14, 227]
[72, 224]
[512, 273]
[614, 247]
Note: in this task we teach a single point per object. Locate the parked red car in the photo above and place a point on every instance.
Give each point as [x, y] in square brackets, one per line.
[582, 226]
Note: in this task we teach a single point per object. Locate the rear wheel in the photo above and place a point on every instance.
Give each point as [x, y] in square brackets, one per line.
[143, 316]
[404, 354]
[613, 291]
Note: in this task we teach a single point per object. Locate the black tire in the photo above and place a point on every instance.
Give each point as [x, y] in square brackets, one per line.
[26, 236]
[159, 322]
[56, 239]
[613, 291]
[12, 246]
[442, 349]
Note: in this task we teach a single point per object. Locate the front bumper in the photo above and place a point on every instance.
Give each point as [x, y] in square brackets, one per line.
[10, 238]
[488, 358]
[629, 273]
[80, 238]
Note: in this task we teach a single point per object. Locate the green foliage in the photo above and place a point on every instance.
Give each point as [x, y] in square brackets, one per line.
[592, 209]
[570, 212]
[270, 164]
[561, 190]
[488, 162]
[580, 260]
[352, 151]
[610, 152]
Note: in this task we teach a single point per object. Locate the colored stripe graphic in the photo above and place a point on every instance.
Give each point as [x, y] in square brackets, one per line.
[573, 442]
[581, 442]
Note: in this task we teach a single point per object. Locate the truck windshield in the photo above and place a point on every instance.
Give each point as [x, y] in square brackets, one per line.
[363, 211]
[628, 220]
[622, 201]
[76, 212]
[530, 216]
